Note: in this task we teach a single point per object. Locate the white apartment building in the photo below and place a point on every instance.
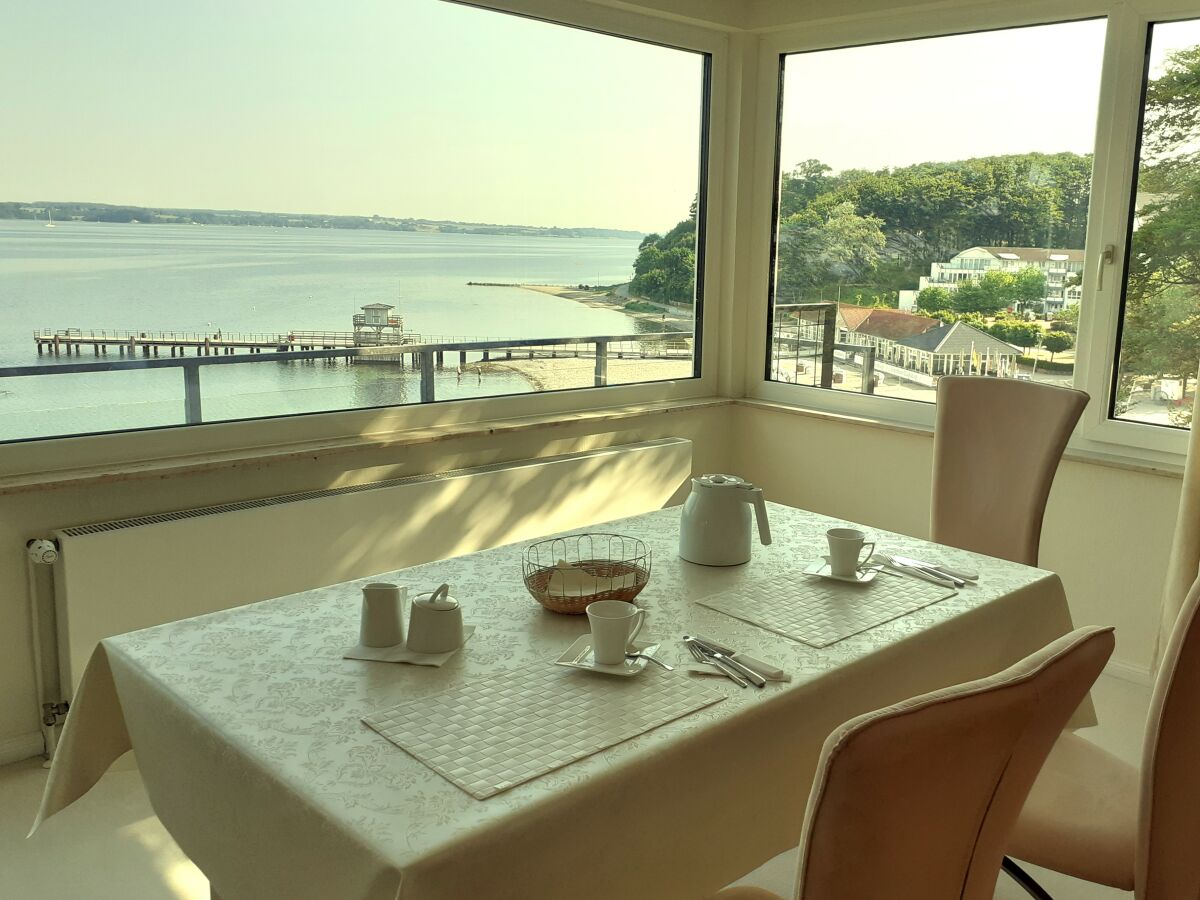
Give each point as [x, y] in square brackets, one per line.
[970, 264]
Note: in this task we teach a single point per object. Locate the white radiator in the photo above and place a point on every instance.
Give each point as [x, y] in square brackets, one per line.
[114, 577]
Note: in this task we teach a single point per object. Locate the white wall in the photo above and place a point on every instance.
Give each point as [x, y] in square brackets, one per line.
[1107, 530]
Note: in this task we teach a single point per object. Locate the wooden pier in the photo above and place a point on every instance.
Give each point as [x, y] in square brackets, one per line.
[177, 343]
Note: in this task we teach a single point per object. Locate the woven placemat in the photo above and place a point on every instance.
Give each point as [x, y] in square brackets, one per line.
[497, 732]
[819, 612]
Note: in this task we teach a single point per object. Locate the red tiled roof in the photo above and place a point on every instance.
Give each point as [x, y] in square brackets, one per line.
[890, 324]
[853, 316]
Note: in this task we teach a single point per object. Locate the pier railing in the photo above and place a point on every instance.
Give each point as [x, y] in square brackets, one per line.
[426, 358]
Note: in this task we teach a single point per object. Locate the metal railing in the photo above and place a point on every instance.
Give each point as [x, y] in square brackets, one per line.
[809, 330]
[426, 356]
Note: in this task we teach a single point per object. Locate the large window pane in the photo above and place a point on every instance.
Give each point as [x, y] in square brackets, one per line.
[338, 178]
[1160, 335]
[932, 203]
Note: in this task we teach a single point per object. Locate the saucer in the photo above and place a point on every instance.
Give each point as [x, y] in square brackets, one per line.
[820, 568]
[579, 656]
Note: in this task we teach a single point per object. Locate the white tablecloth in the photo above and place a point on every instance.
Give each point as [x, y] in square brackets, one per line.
[247, 729]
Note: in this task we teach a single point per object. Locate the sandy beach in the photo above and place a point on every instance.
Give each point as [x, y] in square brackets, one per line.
[568, 372]
[671, 318]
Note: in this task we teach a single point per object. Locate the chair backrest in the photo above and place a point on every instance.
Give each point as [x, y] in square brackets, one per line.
[1168, 858]
[996, 446]
[916, 801]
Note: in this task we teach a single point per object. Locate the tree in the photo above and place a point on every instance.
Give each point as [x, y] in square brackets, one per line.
[1066, 319]
[1028, 287]
[816, 251]
[987, 296]
[1023, 335]
[997, 290]
[1172, 121]
[665, 268]
[1057, 342]
[802, 185]
[935, 299]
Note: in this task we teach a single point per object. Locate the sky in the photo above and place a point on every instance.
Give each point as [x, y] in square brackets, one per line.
[409, 108]
[946, 98]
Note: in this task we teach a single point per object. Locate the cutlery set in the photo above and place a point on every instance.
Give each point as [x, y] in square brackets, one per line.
[721, 658]
[926, 571]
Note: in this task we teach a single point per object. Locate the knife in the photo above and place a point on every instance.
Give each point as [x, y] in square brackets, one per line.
[923, 574]
[741, 668]
[909, 563]
[766, 670]
[705, 659]
[937, 568]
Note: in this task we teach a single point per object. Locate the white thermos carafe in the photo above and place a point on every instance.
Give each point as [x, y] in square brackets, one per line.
[715, 530]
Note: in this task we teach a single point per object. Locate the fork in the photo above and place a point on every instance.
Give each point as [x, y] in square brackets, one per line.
[716, 664]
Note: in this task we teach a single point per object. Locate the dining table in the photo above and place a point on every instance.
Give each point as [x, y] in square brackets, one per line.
[249, 733]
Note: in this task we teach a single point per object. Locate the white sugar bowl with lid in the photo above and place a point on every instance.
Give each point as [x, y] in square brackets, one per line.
[435, 624]
[716, 529]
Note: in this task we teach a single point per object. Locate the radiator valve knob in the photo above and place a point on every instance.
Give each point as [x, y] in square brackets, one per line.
[43, 551]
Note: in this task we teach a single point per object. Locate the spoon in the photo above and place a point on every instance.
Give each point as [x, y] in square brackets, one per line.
[656, 661]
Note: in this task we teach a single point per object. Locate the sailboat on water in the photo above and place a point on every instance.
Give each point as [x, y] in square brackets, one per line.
[49, 219]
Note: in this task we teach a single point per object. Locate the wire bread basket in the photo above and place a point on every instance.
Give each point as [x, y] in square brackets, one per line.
[566, 574]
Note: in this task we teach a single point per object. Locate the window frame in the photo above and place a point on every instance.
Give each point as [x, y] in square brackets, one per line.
[251, 436]
[1114, 164]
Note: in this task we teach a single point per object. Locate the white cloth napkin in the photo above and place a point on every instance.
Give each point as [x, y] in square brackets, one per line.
[767, 670]
[401, 654]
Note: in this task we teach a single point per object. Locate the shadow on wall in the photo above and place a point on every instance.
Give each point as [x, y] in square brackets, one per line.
[113, 580]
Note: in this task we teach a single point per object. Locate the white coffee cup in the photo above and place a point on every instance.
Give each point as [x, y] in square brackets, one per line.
[846, 550]
[382, 623]
[615, 624]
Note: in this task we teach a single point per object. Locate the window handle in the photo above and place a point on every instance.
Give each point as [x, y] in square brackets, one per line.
[1106, 259]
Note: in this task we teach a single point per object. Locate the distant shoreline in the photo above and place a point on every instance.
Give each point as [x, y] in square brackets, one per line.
[613, 297]
[79, 211]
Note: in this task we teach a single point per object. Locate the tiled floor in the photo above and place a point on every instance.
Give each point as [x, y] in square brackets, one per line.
[110, 846]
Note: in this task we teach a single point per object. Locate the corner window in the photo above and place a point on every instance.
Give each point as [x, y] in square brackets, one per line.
[911, 242]
[354, 206]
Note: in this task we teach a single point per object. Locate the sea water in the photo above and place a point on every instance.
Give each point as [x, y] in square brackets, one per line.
[205, 279]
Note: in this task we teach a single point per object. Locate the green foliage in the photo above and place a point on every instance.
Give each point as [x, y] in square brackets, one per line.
[665, 268]
[1044, 365]
[935, 299]
[1057, 341]
[1015, 331]
[1024, 335]
[1066, 319]
[1028, 287]
[1172, 121]
[1161, 332]
[934, 210]
[837, 247]
[975, 320]
[640, 306]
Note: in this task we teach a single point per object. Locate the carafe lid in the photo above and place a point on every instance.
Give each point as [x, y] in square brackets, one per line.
[719, 481]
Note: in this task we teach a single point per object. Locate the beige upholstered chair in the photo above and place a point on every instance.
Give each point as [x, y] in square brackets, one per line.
[997, 444]
[1094, 817]
[915, 801]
